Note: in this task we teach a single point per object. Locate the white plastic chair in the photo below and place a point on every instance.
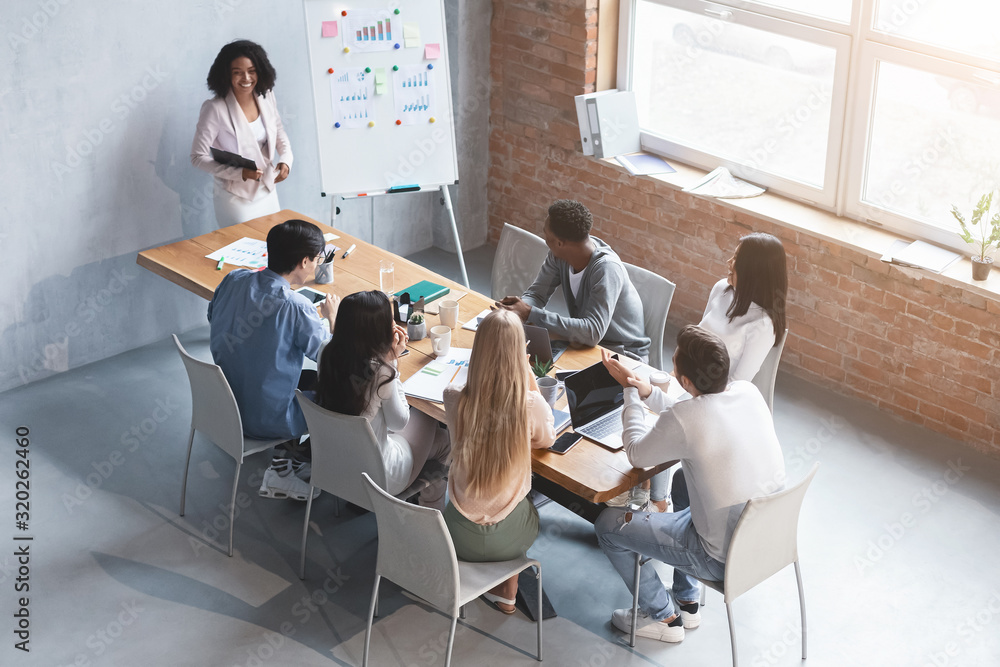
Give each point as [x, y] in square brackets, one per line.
[415, 551]
[768, 373]
[765, 541]
[656, 293]
[215, 414]
[343, 447]
[519, 256]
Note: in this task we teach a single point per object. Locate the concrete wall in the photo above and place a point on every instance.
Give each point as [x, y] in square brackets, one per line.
[98, 106]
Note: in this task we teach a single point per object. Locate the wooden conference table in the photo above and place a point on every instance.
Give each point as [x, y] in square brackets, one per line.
[589, 471]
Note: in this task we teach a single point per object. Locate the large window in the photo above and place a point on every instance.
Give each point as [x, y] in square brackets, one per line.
[884, 110]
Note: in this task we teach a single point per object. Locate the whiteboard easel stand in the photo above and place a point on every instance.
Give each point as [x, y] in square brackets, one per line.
[445, 200]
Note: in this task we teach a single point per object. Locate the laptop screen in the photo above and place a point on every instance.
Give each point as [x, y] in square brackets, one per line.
[592, 393]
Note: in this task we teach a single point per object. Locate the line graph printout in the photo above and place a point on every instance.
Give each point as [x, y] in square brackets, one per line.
[372, 29]
[352, 94]
[413, 94]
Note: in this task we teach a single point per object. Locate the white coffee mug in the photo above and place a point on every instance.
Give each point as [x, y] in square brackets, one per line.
[449, 313]
[549, 388]
[659, 379]
[441, 340]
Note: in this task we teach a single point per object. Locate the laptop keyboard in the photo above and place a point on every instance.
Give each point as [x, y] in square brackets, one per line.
[607, 425]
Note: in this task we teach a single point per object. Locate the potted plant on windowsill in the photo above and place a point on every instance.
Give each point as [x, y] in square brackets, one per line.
[980, 231]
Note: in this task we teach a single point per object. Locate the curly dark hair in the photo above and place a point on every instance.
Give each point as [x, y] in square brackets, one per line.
[570, 220]
[219, 78]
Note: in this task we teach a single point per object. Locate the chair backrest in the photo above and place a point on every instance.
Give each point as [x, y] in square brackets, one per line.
[766, 538]
[415, 549]
[656, 293]
[214, 411]
[343, 447]
[765, 377]
[519, 256]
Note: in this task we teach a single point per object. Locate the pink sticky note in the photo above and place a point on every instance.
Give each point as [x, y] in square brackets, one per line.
[329, 28]
[432, 51]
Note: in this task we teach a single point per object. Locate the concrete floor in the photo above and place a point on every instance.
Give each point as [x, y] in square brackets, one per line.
[899, 537]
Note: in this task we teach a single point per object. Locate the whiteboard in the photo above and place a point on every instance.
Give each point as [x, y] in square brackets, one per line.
[401, 136]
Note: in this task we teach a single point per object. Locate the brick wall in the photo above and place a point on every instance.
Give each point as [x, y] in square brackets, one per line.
[914, 346]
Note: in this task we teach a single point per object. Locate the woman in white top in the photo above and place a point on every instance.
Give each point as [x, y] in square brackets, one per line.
[496, 419]
[747, 311]
[242, 118]
[357, 376]
[747, 308]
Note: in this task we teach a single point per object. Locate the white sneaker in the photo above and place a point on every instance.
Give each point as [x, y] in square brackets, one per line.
[635, 499]
[690, 615]
[280, 482]
[647, 627]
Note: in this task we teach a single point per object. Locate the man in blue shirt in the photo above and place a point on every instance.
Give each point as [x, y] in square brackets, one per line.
[261, 332]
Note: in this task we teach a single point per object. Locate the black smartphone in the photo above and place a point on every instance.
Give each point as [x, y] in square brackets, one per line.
[565, 442]
[562, 375]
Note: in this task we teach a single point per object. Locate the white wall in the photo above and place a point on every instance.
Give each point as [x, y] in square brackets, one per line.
[97, 111]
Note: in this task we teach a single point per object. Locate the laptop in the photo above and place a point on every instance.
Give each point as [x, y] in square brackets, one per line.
[596, 401]
[540, 347]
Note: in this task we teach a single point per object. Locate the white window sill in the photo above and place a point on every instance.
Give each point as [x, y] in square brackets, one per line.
[857, 236]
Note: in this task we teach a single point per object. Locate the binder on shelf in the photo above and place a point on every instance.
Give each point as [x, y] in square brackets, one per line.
[609, 123]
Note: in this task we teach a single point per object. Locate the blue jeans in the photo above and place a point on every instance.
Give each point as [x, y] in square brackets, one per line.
[670, 538]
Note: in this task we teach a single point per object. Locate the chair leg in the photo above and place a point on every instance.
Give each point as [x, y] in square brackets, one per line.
[461, 612]
[371, 615]
[703, 587]
[635, 599]
[232, 506]
[732, 633]
[305, 534]
[451, 641]
[802, 606]
[539, 618]
[187, 464]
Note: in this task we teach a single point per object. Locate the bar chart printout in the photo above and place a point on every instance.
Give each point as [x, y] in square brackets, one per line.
[370, 29]
[352, 94]
[413, 94]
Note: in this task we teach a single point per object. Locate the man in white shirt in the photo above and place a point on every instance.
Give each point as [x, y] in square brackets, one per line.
[725, 439]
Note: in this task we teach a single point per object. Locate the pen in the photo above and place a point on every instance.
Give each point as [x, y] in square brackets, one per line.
[349, 250]
[222, 260]
[455, 375]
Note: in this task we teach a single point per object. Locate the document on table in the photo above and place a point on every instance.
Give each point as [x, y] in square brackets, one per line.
[248, 252]
[473, 324]
[430, 381]
[924, 256]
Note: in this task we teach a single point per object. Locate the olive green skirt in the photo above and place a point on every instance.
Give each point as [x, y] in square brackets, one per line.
[505, 540]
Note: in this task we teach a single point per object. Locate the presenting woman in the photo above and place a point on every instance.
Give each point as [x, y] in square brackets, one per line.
[358, 376]
[243, 119]
[495, 421]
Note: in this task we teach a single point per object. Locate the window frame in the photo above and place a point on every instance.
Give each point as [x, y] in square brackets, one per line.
[858, 52]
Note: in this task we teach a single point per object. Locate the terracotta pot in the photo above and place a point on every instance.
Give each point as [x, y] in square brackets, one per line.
[981, 269]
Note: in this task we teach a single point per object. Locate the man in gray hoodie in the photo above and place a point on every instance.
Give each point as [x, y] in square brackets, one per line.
[604, 306]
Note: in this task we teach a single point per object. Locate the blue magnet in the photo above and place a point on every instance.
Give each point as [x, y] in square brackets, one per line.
[430, 65]
[396, 45]
[336, 124]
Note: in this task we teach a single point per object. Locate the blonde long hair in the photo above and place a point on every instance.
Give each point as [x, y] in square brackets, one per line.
[491, 427]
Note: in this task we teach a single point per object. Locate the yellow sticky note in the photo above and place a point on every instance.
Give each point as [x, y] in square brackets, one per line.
[380, 89]
[411, 34]
[379, 76]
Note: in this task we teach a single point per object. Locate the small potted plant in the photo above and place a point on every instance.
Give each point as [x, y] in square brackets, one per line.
[980, 231]
[541, 368]
[416, 328]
